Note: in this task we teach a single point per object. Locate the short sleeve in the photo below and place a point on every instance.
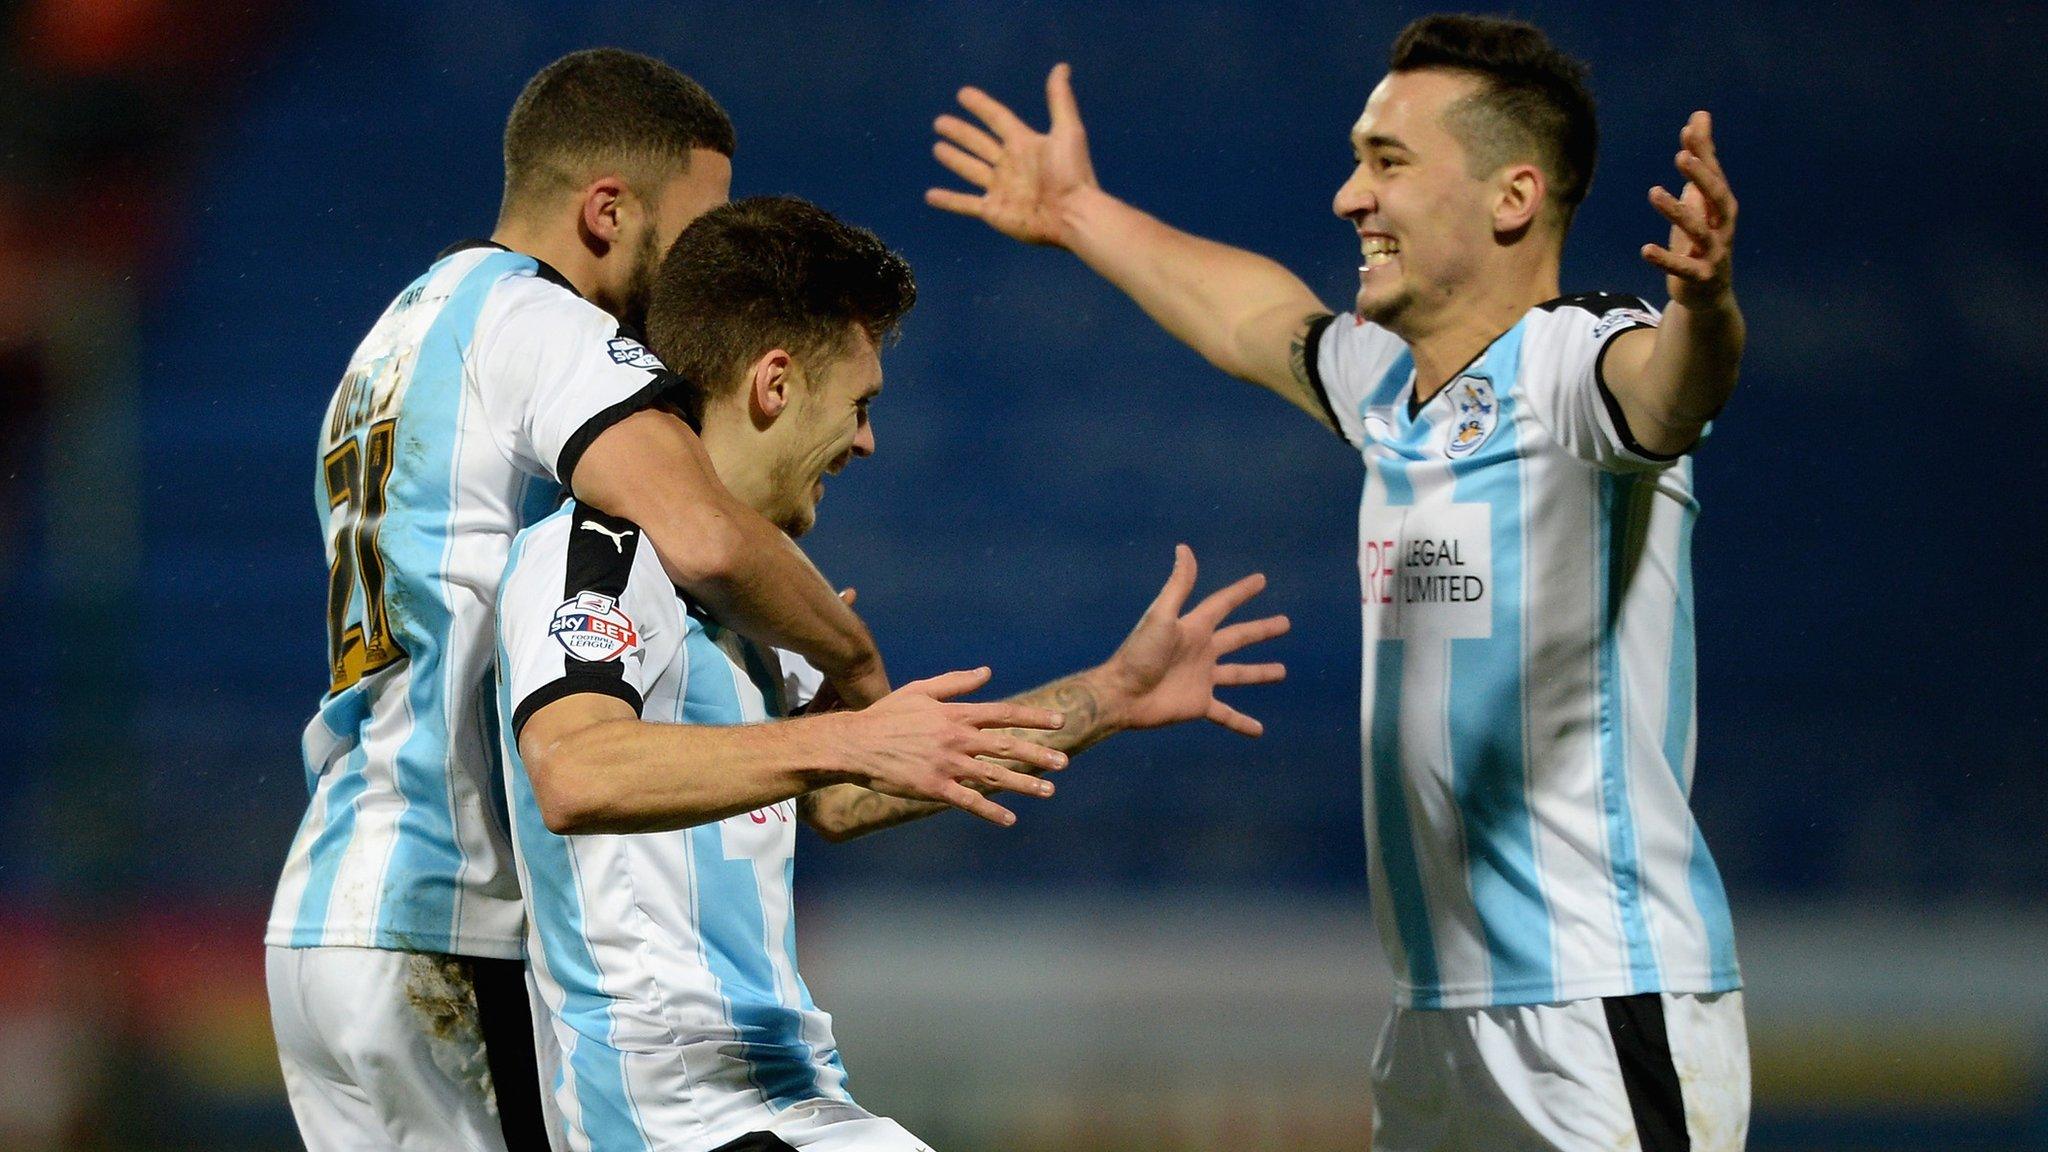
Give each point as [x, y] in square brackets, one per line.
[1563, 349]
[1348, 364]
[584, 608]
[554, 372]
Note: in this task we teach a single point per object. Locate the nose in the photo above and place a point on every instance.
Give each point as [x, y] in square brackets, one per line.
[1355, 197]
[864, 439]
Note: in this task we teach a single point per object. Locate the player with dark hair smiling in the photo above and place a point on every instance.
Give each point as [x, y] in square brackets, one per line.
[1564, 961]
[667, 958]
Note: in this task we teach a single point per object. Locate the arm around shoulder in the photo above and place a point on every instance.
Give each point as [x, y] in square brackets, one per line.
[651, 468]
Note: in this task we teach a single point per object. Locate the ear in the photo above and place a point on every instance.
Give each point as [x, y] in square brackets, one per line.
[1518, 200]
[603, 207]
[770, 385]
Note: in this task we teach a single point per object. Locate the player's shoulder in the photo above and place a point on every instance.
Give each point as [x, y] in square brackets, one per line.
[577, 527]
[528, 297]
[1595, 303]
[579, 550]
[1598, 314]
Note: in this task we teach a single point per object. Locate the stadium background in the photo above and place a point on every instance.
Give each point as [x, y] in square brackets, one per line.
[203, 204]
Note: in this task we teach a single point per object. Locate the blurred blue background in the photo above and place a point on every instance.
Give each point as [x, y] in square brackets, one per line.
[204, 205]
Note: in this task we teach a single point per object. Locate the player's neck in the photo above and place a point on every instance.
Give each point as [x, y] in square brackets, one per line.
[564, 252]
[1466, 325]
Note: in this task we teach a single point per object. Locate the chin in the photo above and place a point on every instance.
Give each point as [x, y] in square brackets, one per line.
[796, 524]
[1381, 308]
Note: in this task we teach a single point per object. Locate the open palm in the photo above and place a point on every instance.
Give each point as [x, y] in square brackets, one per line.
[1025, 176]
[1171, 665]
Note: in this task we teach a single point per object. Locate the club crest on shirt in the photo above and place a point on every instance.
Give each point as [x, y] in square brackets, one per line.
[1477, 411]
[633, 354]
[593, 627]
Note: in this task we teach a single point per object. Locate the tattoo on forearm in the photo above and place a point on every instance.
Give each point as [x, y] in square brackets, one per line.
[1075, 699]
[852, 810]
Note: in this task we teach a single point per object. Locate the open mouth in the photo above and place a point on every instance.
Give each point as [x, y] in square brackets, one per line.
[1378, 251]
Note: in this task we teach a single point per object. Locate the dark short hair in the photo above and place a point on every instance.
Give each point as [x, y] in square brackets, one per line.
[1534, 104]
[762, 273]
[606, 109]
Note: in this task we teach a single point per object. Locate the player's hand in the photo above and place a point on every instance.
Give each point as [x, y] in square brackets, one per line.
[1698, 265]
[1024, 176]
[1170, 666]
[918, 744]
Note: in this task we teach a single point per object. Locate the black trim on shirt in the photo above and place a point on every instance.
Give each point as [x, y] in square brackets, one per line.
[1614, 412]
[599, 559]
[1415, 401]
[1642, 1047]
[601, 422]
[600, 556]
[1311, 342]
[542, 269]
[1598, 303]
[757, 1142]
[580, 684]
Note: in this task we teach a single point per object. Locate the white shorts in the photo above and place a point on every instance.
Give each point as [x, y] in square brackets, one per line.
[385, 1050]
[1655, 1073]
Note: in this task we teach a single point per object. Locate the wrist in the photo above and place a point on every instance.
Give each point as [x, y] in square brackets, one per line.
[824, 751]
[860, 680]
[1110, 691]
[1082, 214]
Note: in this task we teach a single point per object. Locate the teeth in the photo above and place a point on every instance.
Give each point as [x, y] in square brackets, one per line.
[1378, 250]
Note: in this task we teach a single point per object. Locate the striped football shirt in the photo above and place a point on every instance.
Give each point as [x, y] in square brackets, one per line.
[461, 418]
[1526, 579]
[667, 960]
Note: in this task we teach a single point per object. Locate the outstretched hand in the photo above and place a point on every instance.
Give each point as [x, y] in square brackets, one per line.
[1698, 264]
[919, 743]
[1170, 666]
[1025, 176]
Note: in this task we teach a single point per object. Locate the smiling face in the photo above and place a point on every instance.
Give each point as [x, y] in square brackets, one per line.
[793, 422]
[825, 426]
[1426, 223]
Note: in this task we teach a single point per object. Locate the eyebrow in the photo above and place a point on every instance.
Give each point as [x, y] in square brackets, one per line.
[1378, 140]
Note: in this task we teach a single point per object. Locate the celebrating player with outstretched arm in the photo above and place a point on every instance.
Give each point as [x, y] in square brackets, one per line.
[667, 959]
[1559, 935]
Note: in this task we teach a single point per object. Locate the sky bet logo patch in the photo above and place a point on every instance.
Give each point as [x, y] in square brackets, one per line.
[633, 354]
[593, 628]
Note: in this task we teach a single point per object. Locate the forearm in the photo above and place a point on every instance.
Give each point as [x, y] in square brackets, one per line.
[652, 470]
[844, 811]
[1694, 363]
[1237, 308]
[630, 775]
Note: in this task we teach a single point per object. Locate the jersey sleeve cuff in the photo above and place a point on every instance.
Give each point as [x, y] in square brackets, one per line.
[567, 686]
[1311, 352]
[1613, 406]
[597, 425]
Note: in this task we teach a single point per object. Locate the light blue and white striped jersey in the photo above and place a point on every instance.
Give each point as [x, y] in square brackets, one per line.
[667, 960]
[460, 418]
[1526, 575]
